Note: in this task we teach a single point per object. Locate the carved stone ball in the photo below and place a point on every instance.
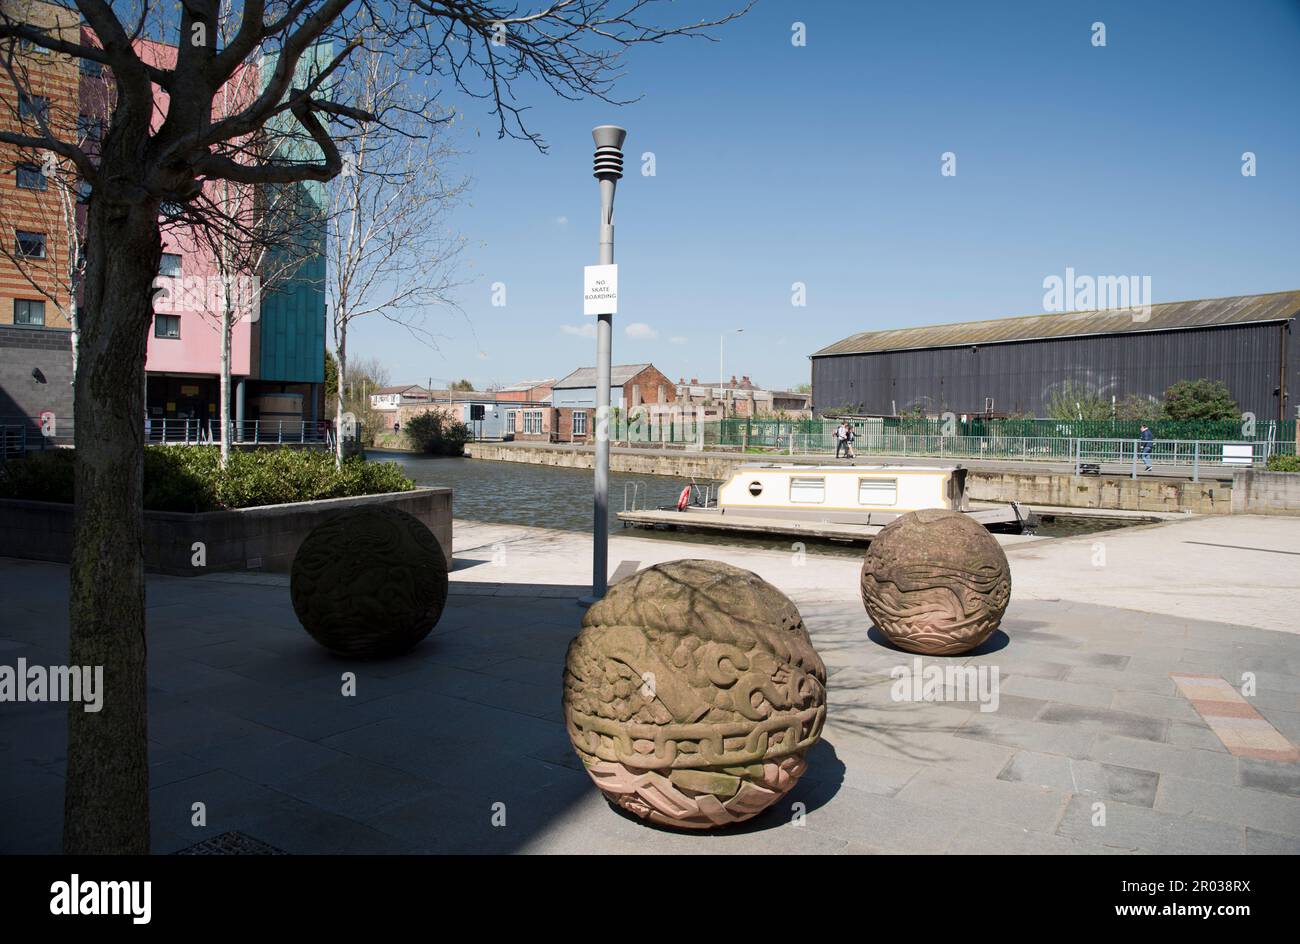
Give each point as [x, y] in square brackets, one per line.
[692, 694]
[935, 582]
[369, 583]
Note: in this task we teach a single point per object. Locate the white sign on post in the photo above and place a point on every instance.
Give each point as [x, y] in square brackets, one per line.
[600, 290]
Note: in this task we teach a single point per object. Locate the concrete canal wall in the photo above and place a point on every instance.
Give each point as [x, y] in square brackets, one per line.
[1225, 492]
[1103, 492]
[1266, 493]
[265, 538]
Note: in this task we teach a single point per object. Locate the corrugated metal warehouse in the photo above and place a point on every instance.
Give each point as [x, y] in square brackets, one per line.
[1013, 365]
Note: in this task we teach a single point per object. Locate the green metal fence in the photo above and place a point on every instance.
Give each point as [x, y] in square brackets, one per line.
[1047, 439]
[971, 439]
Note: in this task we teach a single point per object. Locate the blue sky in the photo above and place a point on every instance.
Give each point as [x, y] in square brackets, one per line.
[820, 164]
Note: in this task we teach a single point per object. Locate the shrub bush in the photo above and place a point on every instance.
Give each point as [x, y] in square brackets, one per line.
[1284, 463]
[437, 433]
[41, 476]
[190, 478]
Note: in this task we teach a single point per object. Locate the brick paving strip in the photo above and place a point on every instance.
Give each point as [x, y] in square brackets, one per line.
[1242, 729]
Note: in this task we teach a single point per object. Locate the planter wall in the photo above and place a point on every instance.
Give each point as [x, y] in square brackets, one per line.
[264, 538]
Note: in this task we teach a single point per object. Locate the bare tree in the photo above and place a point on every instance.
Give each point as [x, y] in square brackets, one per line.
[485, 47]
[257, 233]
[388, 251]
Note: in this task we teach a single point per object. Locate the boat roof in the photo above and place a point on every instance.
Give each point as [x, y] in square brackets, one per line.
[872, 467]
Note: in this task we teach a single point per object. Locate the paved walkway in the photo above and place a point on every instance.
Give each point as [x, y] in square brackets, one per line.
[1092, 747]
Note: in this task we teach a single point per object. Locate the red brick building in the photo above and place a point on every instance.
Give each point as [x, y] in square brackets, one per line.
[572, 414]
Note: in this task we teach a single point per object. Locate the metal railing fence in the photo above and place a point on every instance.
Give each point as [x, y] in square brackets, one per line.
[249, 432]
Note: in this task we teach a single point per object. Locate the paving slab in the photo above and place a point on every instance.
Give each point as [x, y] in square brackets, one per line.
[1227, 803]
[1127, 828]
[1069, 775]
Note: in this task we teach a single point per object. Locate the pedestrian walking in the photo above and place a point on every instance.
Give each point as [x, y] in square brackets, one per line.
[849, 436]
[840, 439]
[1146, 438]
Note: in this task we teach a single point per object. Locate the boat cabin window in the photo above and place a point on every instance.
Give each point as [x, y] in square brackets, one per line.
[809, 491]
[878, 492]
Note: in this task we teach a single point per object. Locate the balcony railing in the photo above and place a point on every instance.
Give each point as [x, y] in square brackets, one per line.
[247, 433]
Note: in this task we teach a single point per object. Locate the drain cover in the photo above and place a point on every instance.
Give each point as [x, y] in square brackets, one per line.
[231, 843]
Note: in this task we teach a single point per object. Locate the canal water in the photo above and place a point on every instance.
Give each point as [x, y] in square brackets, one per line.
[543, 496]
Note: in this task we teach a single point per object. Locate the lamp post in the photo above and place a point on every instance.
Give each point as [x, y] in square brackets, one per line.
[722, 376]
[607, 169]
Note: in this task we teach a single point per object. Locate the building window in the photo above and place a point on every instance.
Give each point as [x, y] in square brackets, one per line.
[878, 492]
[91, 68]
[28, 312]
[30, 245]
[167, 326]
[807, 491]
[32, 108]
[170, 265]
[30, 177]
[580, 423]
[84, 187]
[533, 421]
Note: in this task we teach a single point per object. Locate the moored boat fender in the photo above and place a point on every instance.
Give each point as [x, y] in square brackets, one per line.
[684, 499]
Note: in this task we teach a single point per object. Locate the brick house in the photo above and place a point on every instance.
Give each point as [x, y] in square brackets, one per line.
[743, 398]
[572, 414]
[527, 391]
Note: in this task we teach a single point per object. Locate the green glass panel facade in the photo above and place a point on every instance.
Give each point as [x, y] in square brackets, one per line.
[292, 322]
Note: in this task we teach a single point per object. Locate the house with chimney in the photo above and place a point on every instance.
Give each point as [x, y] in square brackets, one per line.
[572, 412]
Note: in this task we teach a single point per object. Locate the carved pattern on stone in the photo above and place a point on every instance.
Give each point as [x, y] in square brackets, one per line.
[936, 582]
[692, 694]
[369, 583]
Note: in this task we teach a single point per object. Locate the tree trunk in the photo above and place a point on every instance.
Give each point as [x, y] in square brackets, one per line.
[106, 804]
[338, 413]
[226, 327]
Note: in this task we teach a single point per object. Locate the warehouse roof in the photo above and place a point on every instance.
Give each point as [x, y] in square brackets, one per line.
[586, 376]
[1238, 309]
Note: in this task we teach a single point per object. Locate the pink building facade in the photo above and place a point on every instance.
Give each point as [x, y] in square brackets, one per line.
[183, 363]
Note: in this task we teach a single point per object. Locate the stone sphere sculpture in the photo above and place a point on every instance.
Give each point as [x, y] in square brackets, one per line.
[935, 582]
[692, 694]
[369, 583]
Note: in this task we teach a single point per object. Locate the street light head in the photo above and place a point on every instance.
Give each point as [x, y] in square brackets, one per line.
[608, 164]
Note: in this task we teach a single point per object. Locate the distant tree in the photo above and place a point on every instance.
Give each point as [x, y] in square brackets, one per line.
[802, 388]
[437, 433]
[390, 254]
[1076, 401]
[1200, 400]
[331, 381]
[1137, 407]
[462, 385]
